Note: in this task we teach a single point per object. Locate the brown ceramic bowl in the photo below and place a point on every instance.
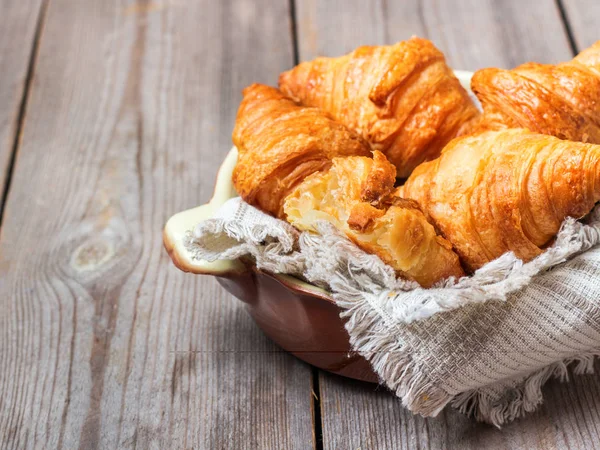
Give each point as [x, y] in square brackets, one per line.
[299, 317]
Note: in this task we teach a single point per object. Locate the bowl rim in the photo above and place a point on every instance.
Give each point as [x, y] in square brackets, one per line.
[181, 223]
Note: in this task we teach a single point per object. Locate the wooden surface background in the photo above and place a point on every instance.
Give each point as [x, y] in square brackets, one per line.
[114, 115]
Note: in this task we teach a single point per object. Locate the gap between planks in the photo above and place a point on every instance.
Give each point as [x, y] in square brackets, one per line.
[316, 409]
[22, 112]
[568, 31]
[315, 389]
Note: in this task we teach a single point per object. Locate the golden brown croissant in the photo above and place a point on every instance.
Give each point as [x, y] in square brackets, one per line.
[402, 98]
[280, 143]
[561, 100]
[355, 196]
[509, 190]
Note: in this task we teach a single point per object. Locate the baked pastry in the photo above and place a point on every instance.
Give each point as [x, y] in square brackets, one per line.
[402, 98]
[561, 100]
[355, 195]
[280, 143]
[507, 190]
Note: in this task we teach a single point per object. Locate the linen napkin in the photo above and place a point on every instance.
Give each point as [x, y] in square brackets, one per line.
[484, 344]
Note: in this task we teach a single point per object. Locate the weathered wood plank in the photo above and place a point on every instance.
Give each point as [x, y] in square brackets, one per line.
[102, 341]
[19, 20]
[472, 34]
[582, 19]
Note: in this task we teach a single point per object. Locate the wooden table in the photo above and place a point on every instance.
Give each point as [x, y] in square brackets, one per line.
[114, 115]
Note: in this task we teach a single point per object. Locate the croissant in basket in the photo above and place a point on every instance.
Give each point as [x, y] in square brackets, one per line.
[280, 143]
[561, 100]
[355, 195]
[501, 191]
[402, 98]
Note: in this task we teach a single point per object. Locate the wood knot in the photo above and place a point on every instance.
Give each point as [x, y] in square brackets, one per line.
[91, 255]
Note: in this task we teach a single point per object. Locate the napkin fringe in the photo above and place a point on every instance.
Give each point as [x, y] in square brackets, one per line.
[390, 357]
[525, 397]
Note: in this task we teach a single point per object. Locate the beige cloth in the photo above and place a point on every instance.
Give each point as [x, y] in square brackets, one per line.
[485, 344]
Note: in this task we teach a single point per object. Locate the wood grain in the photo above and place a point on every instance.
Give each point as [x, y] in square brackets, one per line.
[103, 343]
[472, 34]
[582, 19]
[19, 20]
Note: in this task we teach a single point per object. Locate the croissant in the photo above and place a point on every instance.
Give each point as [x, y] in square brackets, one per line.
[355, 195]
[403, 98]
[507, 190]
[561, 100]
[280, 143]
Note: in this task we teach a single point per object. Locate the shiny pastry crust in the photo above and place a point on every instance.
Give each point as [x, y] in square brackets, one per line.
[561, 100]
[402, 98]
[355, 195]
[280, 143]
[501, 191]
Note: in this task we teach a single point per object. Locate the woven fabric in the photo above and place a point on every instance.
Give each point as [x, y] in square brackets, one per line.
[484, 344]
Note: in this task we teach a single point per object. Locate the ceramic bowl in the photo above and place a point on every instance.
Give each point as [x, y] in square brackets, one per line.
[299, 317]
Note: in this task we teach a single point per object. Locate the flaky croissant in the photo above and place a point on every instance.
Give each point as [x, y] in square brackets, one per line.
[355, 195]
[509, 190]
[561, 100]
[402, 98]
[280, 143]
